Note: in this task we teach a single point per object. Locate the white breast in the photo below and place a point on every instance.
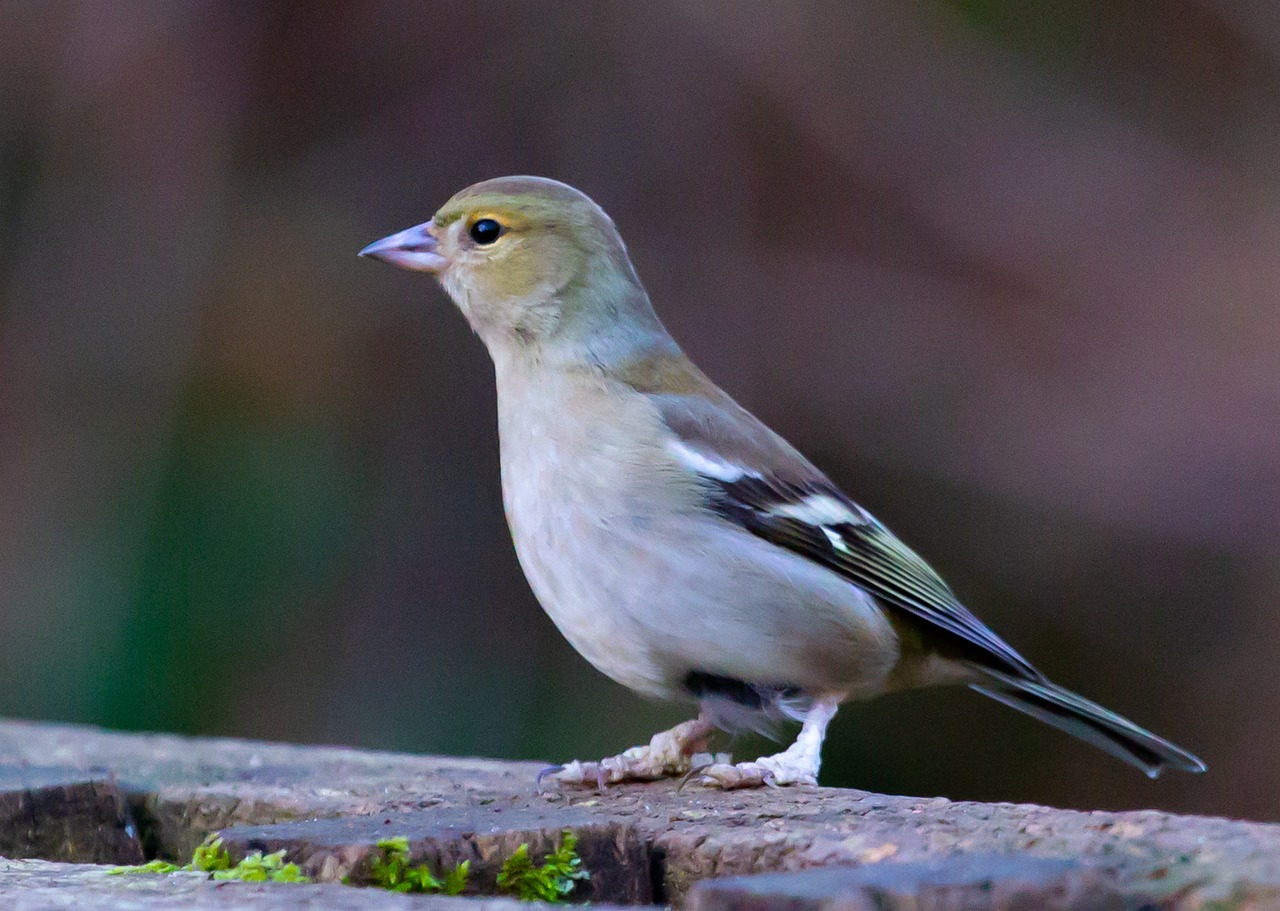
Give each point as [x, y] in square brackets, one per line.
[572, 487]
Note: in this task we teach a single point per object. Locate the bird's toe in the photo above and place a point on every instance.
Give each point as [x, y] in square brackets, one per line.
[549, 772]
[575, 774]
[762, 773]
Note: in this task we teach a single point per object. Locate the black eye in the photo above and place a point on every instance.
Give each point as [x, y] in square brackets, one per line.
[486, 231]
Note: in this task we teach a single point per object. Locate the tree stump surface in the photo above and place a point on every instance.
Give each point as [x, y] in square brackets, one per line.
[87, 796]
[61, 813]
[35, 885]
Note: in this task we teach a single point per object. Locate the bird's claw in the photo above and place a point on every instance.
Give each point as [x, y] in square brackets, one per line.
[549, 770]
[575, 774]
[693, 772]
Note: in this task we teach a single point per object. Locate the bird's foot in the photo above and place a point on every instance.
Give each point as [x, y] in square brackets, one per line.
[798, 764]
[767, 771]
[667, 755]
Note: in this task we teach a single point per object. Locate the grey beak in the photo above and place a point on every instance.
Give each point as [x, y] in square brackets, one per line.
[413, 248]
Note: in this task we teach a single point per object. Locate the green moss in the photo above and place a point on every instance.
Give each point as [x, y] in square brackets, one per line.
[392, 870]
[212, 858]
[262, 868]
[155, 866]
[552, 882]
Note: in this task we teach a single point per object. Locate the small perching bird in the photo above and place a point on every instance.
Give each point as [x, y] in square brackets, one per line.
[682, 547]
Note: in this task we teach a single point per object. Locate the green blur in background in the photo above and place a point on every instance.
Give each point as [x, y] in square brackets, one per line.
[1008, 271]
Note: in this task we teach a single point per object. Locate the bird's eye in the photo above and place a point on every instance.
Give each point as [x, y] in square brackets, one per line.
[485, 231]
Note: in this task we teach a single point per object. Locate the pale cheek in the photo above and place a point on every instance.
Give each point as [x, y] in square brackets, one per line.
[486, 282]
[514, 286]
[474, 294]
[459, 290]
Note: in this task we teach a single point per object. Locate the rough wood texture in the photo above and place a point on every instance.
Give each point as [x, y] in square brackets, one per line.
[691, 836]
[974, 882]
[327, 807]
[615, 854]
[181, 788]
[30, 885]
[65, 814]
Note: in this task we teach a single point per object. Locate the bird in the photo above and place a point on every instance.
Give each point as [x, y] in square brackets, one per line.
[682, 547]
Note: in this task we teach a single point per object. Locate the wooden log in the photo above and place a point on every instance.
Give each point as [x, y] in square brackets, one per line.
[327, 807]
[60, 813]
[32, 885]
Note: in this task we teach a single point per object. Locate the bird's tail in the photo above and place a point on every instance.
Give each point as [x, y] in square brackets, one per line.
[1087, 720]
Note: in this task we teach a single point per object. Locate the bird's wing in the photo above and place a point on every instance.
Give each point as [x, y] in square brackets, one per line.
[758, 481]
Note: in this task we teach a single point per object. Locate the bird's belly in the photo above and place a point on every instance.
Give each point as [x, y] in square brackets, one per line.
[647, 604]
[585, 576]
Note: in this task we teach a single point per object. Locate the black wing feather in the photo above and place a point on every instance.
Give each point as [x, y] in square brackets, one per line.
[867, 554]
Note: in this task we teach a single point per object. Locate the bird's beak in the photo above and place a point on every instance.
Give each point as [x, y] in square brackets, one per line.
[413, 248]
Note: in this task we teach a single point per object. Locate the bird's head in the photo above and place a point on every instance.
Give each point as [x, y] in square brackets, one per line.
[524, 258]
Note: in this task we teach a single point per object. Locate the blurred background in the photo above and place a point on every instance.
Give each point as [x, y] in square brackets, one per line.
[1009, 270]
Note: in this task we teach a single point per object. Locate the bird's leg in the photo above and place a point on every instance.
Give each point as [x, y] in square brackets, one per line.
[667, 755]
[797, 764]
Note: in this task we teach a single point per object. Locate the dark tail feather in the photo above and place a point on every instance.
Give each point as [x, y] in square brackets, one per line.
[1087, 720]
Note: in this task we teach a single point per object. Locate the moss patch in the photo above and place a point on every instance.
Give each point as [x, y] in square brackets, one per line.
[554, 881]
[392, 870]
[210, 857]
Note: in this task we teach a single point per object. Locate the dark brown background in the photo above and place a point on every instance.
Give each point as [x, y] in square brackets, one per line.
[1008, 270]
